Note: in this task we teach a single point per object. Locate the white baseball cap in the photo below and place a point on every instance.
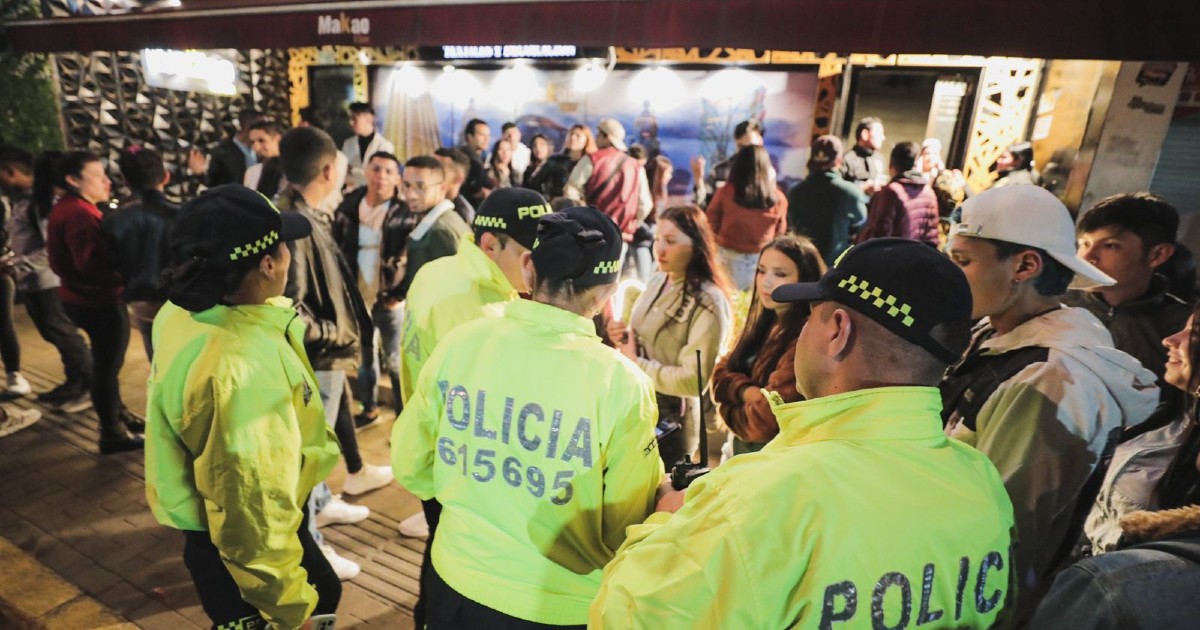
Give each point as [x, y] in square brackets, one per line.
[615, 132]
[1028, 215]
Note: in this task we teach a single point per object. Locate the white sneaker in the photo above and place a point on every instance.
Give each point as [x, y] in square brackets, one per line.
[18, 419]
[344, 568]
[338, 512]
[368, 479]
[415, 526]
[17, 385]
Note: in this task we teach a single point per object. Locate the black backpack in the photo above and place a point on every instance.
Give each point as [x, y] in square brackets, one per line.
[969, 384]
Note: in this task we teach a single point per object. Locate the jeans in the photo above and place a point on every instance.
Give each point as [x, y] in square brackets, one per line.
[388, 326]
[742, 267]
[219, 594]
[10, 348]
[107, 327]
[52, 323]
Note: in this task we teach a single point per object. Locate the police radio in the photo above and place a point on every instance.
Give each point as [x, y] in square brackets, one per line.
[687, 471]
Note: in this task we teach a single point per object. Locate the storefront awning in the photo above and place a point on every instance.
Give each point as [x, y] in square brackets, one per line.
[1062, 29]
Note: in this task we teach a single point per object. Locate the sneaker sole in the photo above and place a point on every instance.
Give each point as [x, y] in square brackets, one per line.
[75, 407]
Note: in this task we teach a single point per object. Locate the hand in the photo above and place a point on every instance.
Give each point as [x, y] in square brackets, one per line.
[698, 163]
[617, 331]
[197, 162]
[670, 502]
[307, 624]
[751, 395]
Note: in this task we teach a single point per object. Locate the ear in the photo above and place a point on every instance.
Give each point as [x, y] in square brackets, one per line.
[166, 178]
[841, 332]
[527, 271]
[1028, 264]
[267, 266]
[327, 171]
[1160, 254]
[489, 244]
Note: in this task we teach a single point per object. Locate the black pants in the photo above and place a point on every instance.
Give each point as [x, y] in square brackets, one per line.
[108, 330]
[10, 348]
[219, 595]
[46, 311]
[433, 514]
[344, 429]
[449, 609]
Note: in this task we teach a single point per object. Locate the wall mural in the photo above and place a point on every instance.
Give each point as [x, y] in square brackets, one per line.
[108, 106]
[677, 113]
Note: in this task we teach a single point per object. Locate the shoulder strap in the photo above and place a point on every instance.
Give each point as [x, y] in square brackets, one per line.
[613, 173]
[969, 384]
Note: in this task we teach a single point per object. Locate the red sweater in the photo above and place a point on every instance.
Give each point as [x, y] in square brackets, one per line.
[742, 229]
[79, 254]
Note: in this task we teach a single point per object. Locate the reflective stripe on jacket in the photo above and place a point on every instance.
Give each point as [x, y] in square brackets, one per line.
[860, 514]
[235, 440]
[538, 440]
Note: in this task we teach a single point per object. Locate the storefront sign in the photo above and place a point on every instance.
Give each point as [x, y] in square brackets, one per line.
[341, 24]
[530, 51]
[212, 71]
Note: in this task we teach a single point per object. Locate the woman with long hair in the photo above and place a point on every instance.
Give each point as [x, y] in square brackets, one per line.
[539, 153]
[552, 177]
[765, 353]
[747, 212]
[90, 290]
[660, 177]
[684, 309]
[500, 170]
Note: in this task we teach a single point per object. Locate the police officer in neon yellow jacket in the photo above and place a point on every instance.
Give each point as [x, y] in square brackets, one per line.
[861, 513]
[236, 435]
[537, 440]
[453, 290]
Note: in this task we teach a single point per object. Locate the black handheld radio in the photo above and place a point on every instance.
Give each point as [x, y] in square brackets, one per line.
[687, 471]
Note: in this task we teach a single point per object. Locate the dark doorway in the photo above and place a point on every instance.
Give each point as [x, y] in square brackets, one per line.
[331, 88]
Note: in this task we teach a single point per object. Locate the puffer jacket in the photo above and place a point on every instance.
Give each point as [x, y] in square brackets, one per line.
[323, 288]
[905, 208]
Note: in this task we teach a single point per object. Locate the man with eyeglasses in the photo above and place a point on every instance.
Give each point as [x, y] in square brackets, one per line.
[438, 229]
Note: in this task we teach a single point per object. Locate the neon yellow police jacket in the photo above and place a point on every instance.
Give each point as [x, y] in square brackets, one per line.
[235, 440]
[538, 440]
[449, 291]
[859, 513]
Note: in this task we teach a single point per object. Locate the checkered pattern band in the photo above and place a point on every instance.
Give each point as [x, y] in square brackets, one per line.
[243, 251]
[607, 266]
[876, 297]
[490, 222]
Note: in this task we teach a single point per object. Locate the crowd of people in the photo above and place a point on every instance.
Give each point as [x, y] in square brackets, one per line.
[970, 405]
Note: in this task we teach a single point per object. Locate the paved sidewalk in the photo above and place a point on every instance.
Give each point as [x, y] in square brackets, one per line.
[85, 517]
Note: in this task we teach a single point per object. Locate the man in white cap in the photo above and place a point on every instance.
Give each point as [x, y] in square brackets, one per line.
[1041, 386]
[611, 181]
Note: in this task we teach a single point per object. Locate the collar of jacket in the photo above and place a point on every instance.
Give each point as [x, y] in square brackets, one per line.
[485, 269]
[276, 312]
[431, 217]
[1149, 302]
[1163, 524]
[552, 317]
[881, 413]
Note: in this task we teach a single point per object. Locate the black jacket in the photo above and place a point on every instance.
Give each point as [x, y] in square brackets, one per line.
[227, 165]
[137, 235]
[397, 225]
[325, 293]
[550, 178]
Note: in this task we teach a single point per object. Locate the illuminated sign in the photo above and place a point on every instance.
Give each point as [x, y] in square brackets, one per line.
[341, 24]
[512, 51]
[212, 71]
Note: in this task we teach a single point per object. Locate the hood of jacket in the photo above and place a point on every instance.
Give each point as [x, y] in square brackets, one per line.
[1160, 525]
[1076, 333]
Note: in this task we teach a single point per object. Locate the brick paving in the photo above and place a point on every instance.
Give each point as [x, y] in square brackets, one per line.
[85, 517]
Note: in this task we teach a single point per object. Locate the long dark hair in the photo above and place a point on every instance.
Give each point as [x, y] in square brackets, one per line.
[761, 321]
[45, 174]
[751, 178]
[703, 266]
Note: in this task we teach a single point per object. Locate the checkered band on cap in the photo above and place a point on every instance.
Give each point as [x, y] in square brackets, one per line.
[490, 222]
[874, 296]
[243, 251]
[607, 266]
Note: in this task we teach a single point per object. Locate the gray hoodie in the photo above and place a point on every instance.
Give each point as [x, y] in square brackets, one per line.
[1045, 427]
